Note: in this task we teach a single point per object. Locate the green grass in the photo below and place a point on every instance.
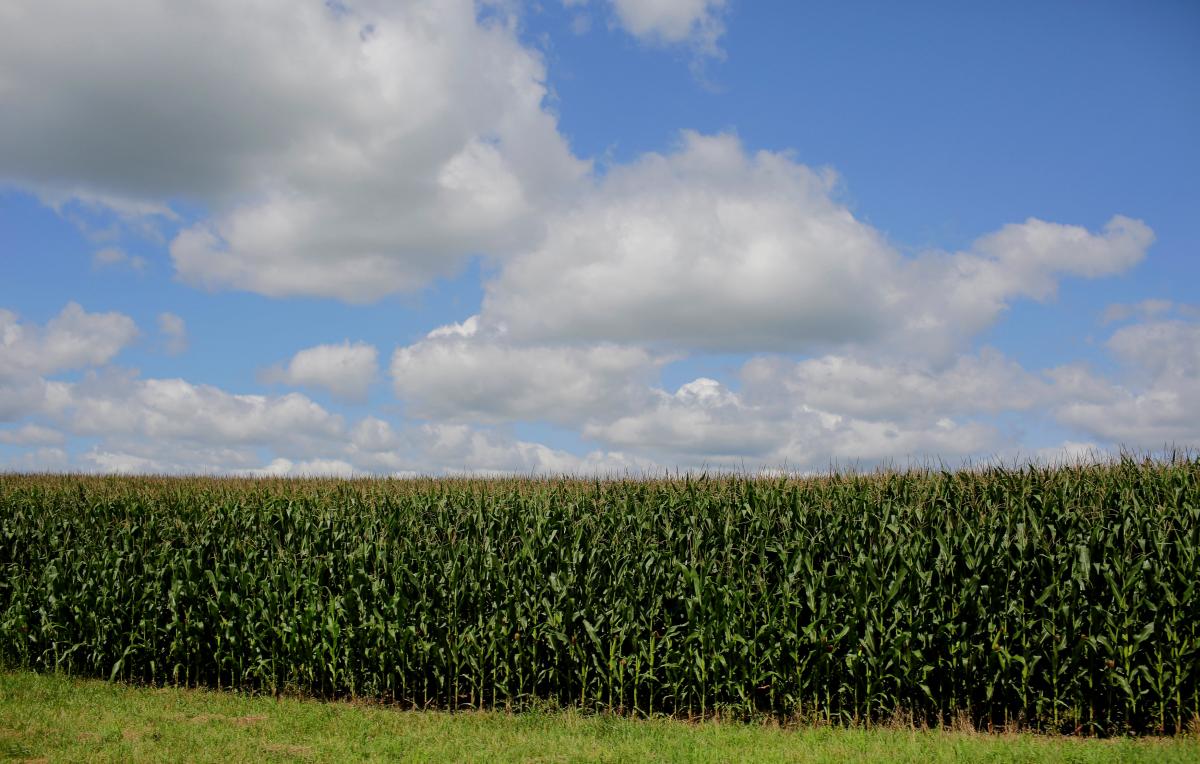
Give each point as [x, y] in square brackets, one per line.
[48, 717]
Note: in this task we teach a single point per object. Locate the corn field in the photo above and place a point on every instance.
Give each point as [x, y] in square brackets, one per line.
[1053, 598]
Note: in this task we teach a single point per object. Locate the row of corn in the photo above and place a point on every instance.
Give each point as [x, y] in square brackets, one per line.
[1056, 598]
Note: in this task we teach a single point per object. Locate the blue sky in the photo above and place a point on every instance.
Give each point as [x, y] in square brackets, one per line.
[595, 236]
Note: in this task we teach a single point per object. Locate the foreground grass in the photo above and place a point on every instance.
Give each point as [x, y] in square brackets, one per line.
[53, 718]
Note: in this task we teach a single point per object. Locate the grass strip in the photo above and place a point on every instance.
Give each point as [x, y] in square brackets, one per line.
[55, 718]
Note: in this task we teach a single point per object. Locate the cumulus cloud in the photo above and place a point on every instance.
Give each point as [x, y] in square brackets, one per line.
[1071, 453]
[156, 425]
[73, 339]
[353, 150]
[797, 414]
[949, 298]
[1155, 402]
[132, 456]
[801, 413]
[713, 248]
[346, 370]
[704, 423]
[702, 419]
[175, 409]
[347, 150]
[172, 426]
[32, 435]
[457, 375]
[982, 383]
[46, 459]
[843, 409]
[24, 396]
[437, 447]
[310, 468]
[488, 452]
[705, 248]
[696, 22]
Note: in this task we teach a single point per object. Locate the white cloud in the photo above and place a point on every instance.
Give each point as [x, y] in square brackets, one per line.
[1071, 452]
[32, 435]
[177, 427]
[1156, 402]
[984, 383]
[373, 435]
[701, 420]
[1163, 348]
[346, 150]
[711, 248]
[818, 412]
[311, 468]
[23, 396]
[698, 22]
[947, 299]
[453, 376]
[703, 248]
[176, 410]
[1153, 418]
[110, 257]
[73, 339]
[880, 410]
[38, 460]
[866, 443]
[346, 370]
[135, 425]
[466, 328]
[801, 415]
[432, 448]
[174, 332]
[704, 423]
[352, 151]
[112, 463]
[128, 456]
[487, 452]
[1035, 250]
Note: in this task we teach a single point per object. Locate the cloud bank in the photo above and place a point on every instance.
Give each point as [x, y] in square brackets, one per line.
[354, 151]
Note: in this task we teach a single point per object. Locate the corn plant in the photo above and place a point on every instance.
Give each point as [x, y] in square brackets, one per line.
[1055, 598]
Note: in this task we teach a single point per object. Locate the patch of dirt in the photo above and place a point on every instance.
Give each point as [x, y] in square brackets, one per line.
[246, 721]
[241, 721]
[204, 718]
